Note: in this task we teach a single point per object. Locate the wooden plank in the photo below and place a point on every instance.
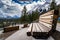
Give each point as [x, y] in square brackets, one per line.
[34, 28]
[49, 16]
[37, 27]
[48, 13]
[47, 21]
[46, 29]
[8, 29]
[47, 25]
[29, 29]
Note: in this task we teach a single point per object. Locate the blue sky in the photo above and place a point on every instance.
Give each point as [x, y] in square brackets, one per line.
[27, 2]
[13, 8]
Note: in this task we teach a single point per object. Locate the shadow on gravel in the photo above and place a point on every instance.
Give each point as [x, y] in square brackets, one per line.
[56, 35]
[7, 34]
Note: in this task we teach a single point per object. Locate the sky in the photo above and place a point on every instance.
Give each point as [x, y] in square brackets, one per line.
[13, 8]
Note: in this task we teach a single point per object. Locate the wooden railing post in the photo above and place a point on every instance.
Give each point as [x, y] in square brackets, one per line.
[55, 18]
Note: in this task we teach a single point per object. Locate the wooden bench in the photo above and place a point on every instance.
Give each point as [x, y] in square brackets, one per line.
[25, 25]
[8, 29]
[46, 25]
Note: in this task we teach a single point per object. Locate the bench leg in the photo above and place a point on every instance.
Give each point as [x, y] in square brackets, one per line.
[39, 35]
[28, 33]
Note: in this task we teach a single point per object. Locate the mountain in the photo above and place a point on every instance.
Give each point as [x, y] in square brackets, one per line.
[40, 8]
[16, 16]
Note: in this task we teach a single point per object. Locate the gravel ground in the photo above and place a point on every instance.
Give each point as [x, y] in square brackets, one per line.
[58, 27]
[21, 35]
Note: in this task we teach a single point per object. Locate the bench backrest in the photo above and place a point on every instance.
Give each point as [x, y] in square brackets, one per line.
[49, 19]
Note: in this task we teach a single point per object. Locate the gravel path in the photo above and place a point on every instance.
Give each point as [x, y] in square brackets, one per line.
[58, 27]
[21, 35]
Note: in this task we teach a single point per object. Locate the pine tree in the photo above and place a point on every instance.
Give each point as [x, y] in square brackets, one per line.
[24, 11]
[24, 17]
[53, 5]
[35, 15]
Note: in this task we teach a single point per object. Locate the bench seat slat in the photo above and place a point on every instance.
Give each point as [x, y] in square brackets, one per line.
[29, 29]
[45, 24]
[40, 27]
[37, 27]
[34, 28]
[46, 29]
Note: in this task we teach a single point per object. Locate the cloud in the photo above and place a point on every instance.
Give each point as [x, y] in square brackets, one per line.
[10, 8]
[58, 2]
[13, 9]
